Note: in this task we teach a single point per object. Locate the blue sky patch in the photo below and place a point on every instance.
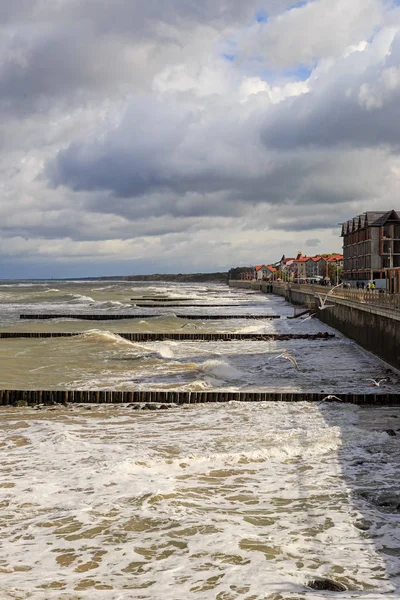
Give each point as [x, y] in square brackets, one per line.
[299, 73]
[261, 16]
[298, 4]
[302, 72]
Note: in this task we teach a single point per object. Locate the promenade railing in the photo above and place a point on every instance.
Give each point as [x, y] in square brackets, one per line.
[375, 297]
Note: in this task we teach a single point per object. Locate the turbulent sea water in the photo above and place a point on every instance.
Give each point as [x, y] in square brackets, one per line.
[228, 501]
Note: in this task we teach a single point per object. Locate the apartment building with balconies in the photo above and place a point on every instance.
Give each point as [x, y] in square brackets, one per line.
[371, 246]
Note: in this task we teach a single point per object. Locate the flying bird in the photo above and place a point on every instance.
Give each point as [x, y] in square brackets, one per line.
[309, 317]
[375, 382]
[322, 301]
[288, 356]
[331, 397]
[187, 325]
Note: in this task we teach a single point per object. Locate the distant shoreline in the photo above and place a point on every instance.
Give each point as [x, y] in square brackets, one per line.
[217, 277]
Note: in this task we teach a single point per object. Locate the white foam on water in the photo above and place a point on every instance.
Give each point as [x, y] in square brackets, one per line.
[223, 501]
[21, 285]
[111, 304]
[226, 502]
[103, 289]
[254, 329]
[166, 350]
[80, 299]
[221, 369]
[100, 335]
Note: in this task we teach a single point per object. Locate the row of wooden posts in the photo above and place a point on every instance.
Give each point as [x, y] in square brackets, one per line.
[171, 397]
[54, 397]
[118, 316]
[155, 337]
[158, 305]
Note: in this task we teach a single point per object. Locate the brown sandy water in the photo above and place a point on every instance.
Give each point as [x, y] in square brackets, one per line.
[228, 501]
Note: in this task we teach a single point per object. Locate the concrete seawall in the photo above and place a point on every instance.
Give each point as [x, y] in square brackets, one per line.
[377, 329]
[370, 327]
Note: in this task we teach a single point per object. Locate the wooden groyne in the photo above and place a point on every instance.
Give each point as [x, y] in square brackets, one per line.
[53, 397]
[155, 337]
[143, 305]
[156, 299]
[116, 317]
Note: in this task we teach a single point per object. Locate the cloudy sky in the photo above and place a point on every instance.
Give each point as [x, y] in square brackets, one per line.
[191, 135]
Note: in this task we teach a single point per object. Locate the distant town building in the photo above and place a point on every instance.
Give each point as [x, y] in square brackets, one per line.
[246, 275]
[262, 272]
[318, 266]
[311, 267]
[371, 248]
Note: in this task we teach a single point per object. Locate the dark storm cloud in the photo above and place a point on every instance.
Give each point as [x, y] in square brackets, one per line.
[170, 147]
[136, 16]
[299, 223]
[313, 243]
[163, 171]
[69, 50]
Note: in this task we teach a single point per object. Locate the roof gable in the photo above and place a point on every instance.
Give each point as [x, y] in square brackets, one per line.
[391, 215]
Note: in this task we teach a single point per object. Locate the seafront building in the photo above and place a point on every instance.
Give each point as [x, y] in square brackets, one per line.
[262, 272]
[311, 267]
[325, 266]
[371, 249]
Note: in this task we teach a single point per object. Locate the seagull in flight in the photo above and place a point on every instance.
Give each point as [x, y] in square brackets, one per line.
[288, 356]
[322, 301]
[331, 397]
[375, 382]
[309, 317]
[187, 325]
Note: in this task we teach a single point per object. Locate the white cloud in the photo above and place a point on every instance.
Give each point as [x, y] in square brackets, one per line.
[127, 133]
[319, 29]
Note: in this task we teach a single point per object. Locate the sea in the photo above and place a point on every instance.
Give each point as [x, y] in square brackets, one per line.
[227, 501]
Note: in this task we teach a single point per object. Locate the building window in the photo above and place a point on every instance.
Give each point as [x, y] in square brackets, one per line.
[387, 247]
[387, 231]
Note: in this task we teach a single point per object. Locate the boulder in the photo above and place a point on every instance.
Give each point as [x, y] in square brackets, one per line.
[150, 406]
[325, 584]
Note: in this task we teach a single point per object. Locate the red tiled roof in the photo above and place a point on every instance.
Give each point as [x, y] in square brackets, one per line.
[258, 267]
[303, 259]
[334, 258]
